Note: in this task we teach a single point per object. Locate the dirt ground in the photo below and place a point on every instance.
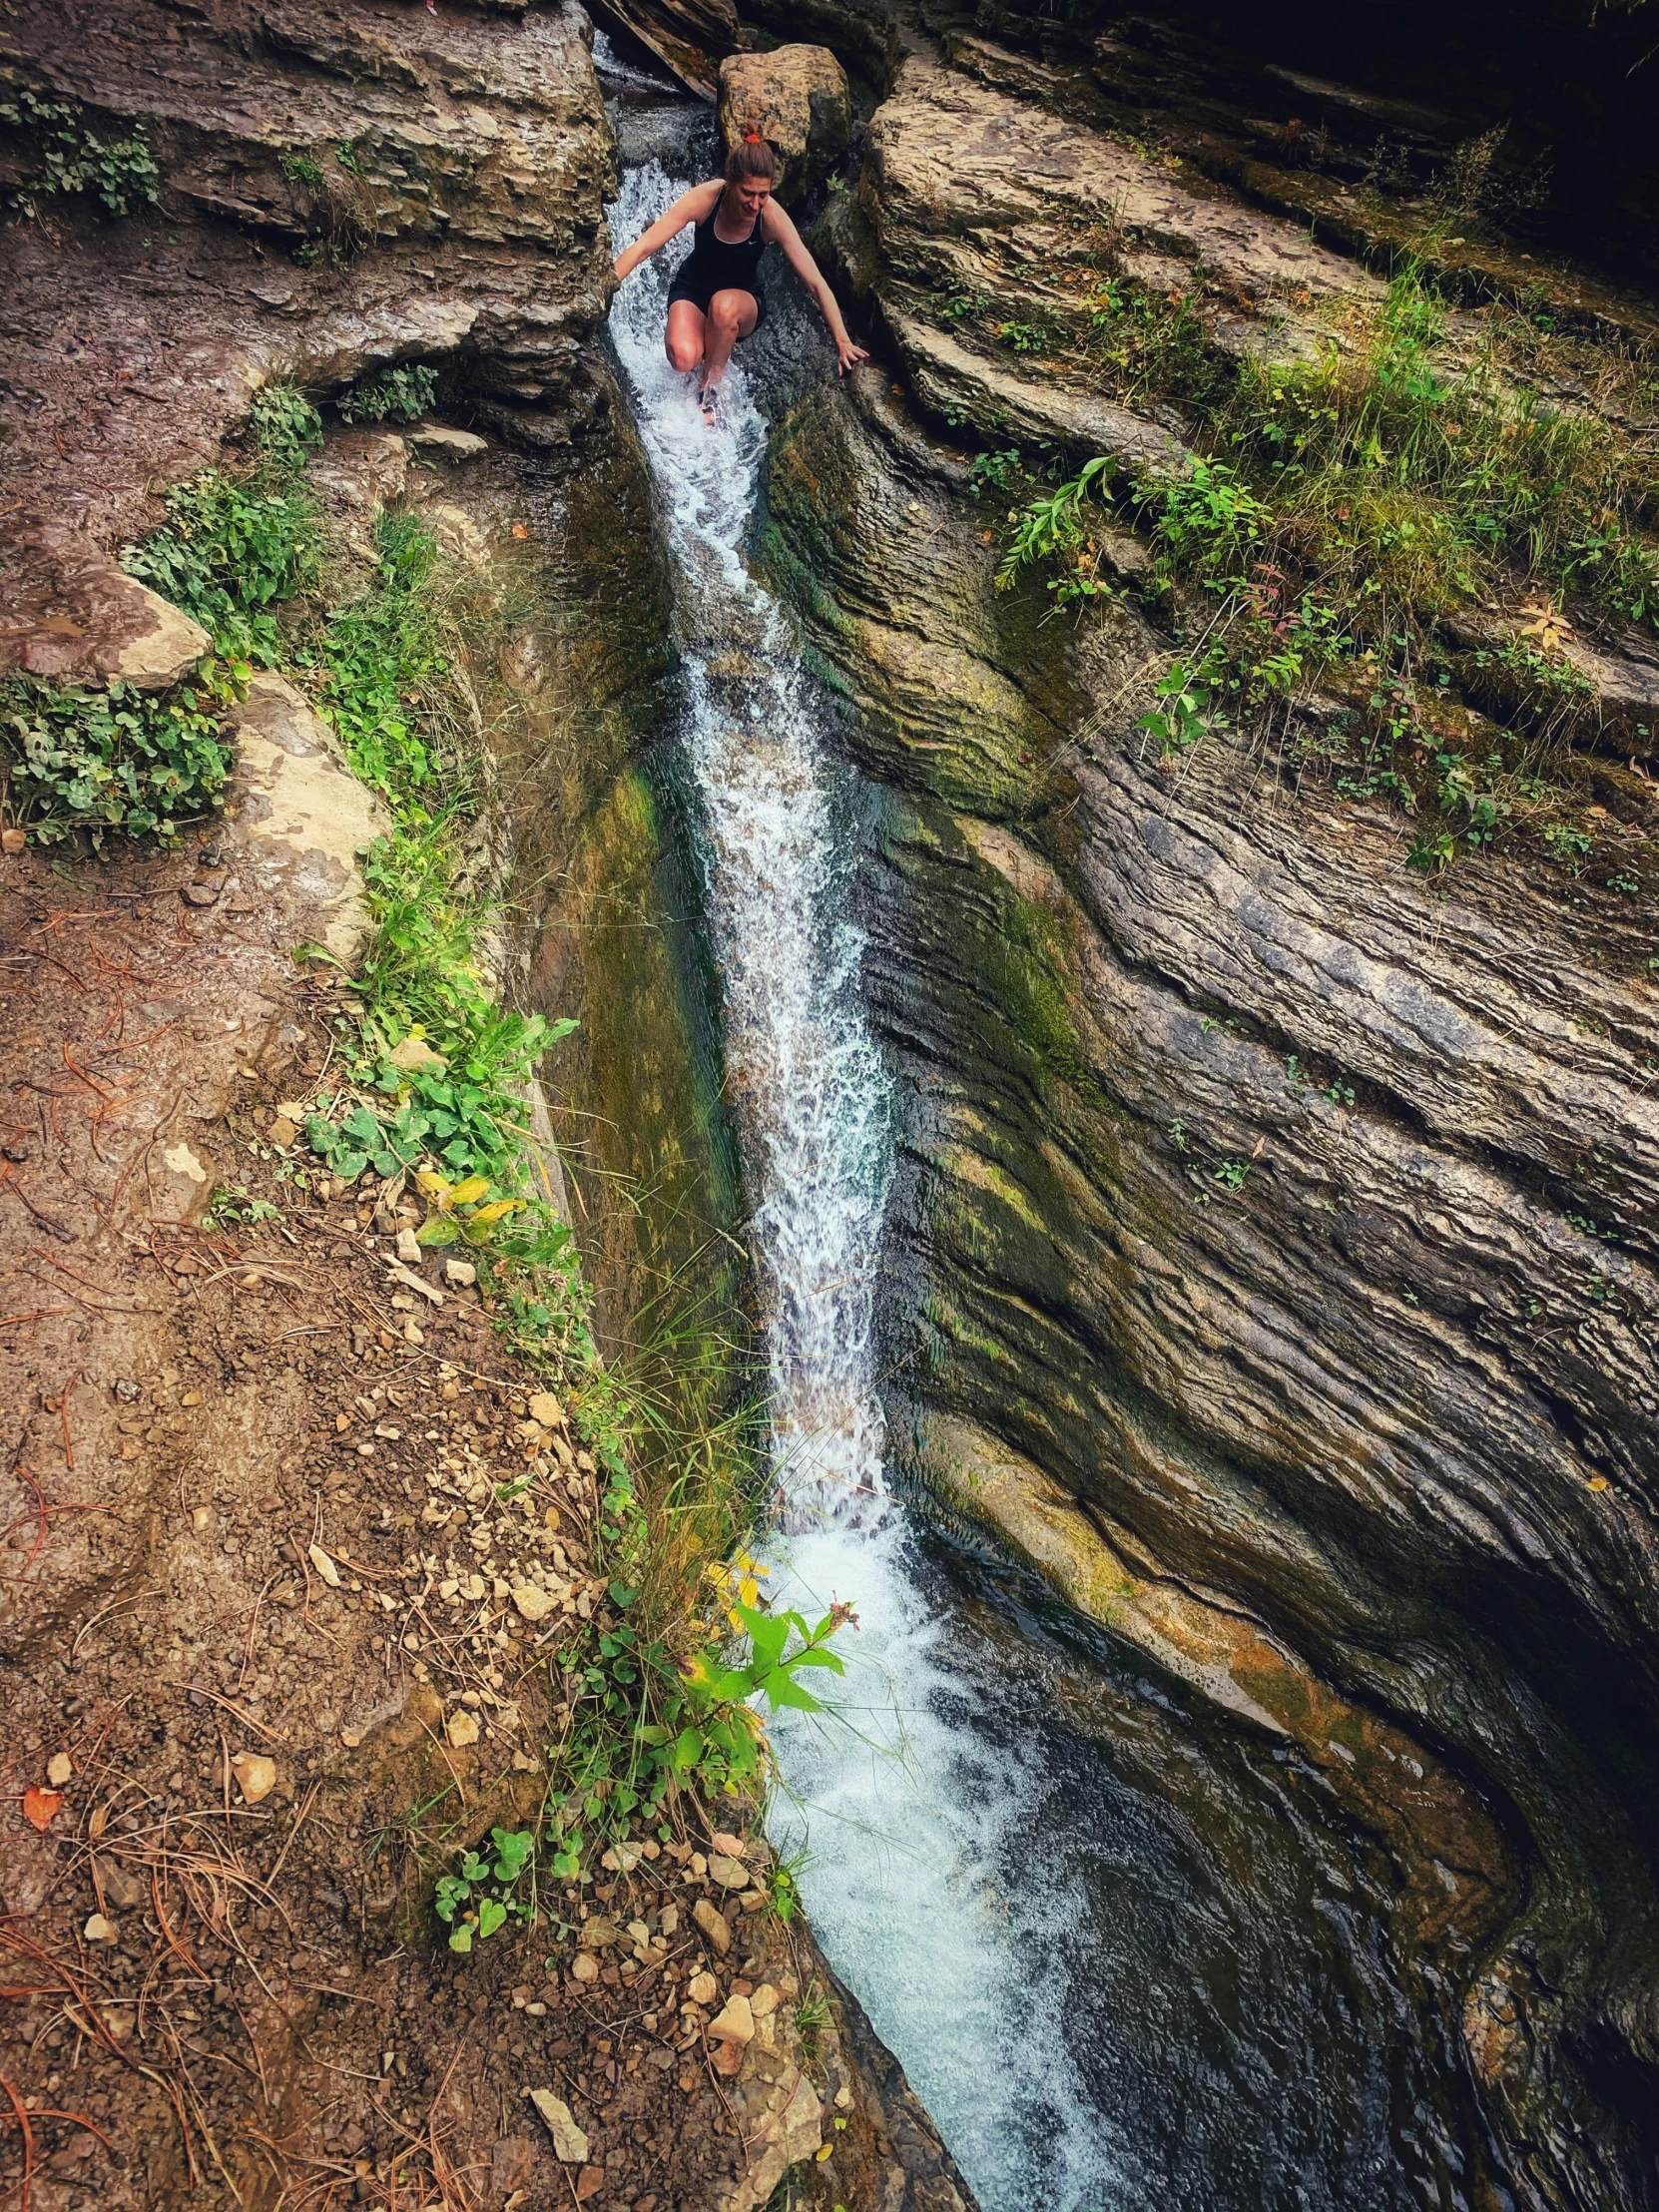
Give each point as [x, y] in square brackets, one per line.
[254, 1518]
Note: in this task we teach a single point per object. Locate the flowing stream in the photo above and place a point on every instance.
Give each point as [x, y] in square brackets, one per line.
[1119, 1942]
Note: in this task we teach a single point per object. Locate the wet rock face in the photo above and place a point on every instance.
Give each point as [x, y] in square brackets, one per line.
[1304, 85]
[1254, 1211]
[341, 189]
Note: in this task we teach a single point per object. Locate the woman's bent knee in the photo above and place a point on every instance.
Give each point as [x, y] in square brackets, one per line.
[683, 353]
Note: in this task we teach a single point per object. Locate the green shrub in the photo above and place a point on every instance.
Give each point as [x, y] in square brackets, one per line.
[381, 658]
[303, 169]
[231, 549]
[394, 396]
[286, 428]
[122, 760]
[74, 160]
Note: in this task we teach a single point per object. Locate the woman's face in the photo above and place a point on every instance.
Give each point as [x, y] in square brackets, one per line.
[751, 195]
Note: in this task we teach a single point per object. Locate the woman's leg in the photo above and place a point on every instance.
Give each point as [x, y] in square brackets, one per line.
[731, 315]
[687, 331]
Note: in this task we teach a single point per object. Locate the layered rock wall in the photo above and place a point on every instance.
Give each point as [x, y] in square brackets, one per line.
[1272, 1249]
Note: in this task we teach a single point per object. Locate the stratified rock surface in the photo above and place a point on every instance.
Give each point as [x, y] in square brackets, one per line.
[1277, 1224]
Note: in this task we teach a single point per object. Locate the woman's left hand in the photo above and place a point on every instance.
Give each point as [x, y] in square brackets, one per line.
[848, 357]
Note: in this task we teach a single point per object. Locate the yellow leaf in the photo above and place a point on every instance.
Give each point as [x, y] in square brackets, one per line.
[469, 1193]
[749, 1589]
[434, 1185]
[494, 1212]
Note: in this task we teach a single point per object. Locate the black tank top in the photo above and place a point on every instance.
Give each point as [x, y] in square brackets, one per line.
[714, 265]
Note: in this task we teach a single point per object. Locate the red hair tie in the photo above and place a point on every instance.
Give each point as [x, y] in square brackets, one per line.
[751, 138]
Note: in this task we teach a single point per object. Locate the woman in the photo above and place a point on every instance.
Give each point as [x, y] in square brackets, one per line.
[716, 296]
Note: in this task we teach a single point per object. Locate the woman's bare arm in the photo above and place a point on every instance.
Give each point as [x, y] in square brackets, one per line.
[780, 227]
[696, 205]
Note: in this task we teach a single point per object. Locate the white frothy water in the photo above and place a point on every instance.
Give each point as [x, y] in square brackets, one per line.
[616, 71]
[910, 1817]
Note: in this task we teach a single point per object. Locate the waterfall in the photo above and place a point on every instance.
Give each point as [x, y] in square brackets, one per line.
[905, 1815]
[1121, 1945]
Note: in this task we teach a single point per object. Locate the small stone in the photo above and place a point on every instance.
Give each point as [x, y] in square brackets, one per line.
[702, 1989]
[713, 1923]
[728, 2057]
[512, 2164]
[844, 2098]
[13, 841]
[671, 1918]
[323, 1564]
[531, 1603]
[99, 1931]
[589, 2182]
[546, 1411]
[461, 1272]
[730, 1873]
[569, 2143]
[730, 1846]
[408, 1248]
[256, 1776]
[282, 1131]
[180, 1159]
[585, 1967]
[461, 1728]
[59, 1768]
[764, 2001]
[443, 437]
[736, 2025]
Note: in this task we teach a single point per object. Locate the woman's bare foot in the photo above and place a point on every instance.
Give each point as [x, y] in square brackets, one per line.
[709, 400]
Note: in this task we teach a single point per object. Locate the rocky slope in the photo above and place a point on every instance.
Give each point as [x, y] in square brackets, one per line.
[1276, 1225]
[340, 189]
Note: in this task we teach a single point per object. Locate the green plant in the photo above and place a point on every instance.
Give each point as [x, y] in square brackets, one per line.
[394, 396]
[1026, 338]
[784, 1886]
[74, 160]
[1568, 845]
[382, 659]
[484, 1894]
[1185, 711]
[233, 1208]
[231, 549]
[286, 428]
[345, 152]
[1232, 1173]
[122, 759]
[303, 169]
[993, 471]
[957, 303]
[647, 1726]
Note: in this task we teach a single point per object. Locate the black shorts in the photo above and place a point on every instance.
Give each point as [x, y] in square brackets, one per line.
[686, 286]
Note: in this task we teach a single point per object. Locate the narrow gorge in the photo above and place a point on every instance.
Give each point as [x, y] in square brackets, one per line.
[998, 1014]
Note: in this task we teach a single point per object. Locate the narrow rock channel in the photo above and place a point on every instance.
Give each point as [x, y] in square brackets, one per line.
[1120, 1942]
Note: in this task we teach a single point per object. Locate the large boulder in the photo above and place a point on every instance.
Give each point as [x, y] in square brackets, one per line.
[797, 97]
